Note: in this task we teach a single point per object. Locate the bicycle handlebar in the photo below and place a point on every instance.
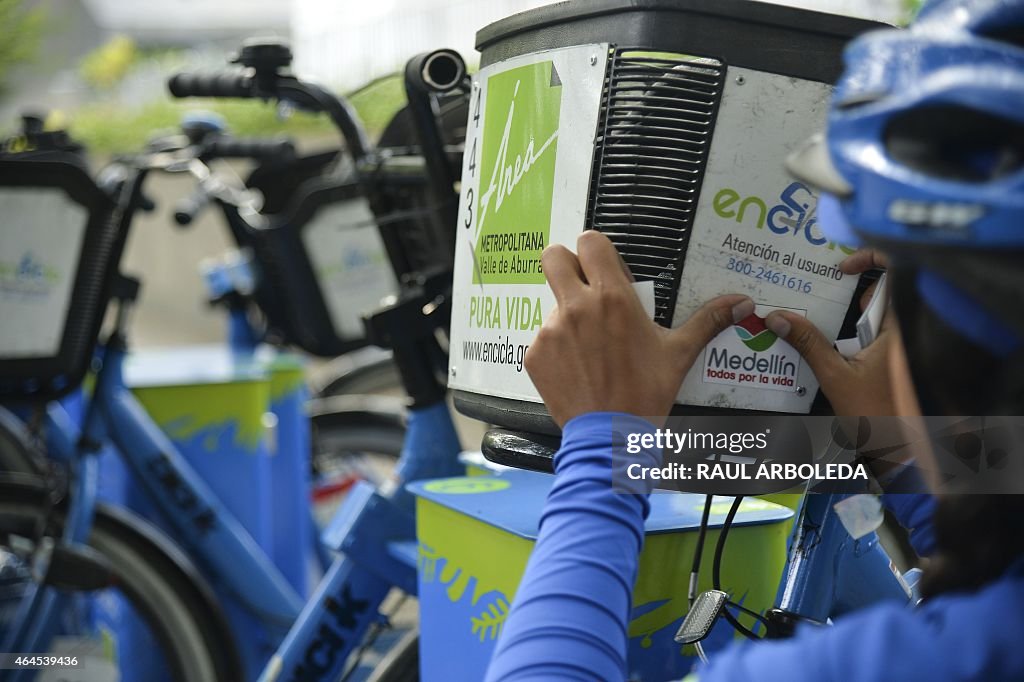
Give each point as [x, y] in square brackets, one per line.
[235, 85]
[282, 87]
[188, 208]
[169, 154]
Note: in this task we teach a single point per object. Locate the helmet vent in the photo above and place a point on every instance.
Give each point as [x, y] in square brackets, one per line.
[654, 131]
[1011, 35]
[957, 143]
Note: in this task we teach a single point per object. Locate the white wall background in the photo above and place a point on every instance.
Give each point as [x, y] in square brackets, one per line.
[344, 43]
[189, 21]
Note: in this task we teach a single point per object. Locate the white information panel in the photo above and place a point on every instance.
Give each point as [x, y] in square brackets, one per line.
[40, 243]
[525, 184]
[756, 233]
[525, 179]
[348, 256]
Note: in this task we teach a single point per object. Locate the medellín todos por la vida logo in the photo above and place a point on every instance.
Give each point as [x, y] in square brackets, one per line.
[748, 354]
[754, 334]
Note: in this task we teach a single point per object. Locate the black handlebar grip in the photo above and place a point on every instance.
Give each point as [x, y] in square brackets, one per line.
[253, 148]
[188, 208]
[210, 85]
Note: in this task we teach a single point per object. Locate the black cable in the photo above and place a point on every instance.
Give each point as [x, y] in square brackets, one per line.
[750, 612]
[716, 571]
[699, 551]
[394, 75]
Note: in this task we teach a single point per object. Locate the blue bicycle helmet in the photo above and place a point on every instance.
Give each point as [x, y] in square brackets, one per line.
[924, 159]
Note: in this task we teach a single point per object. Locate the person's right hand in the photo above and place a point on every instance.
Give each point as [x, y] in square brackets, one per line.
[856, 387]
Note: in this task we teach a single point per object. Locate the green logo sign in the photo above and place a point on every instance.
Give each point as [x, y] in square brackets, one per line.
[754, 334]
[517, 167]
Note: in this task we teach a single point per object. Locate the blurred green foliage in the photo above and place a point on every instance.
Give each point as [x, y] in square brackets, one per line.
[910, 10]
[109, 129]
[20, 32]
[105, 66]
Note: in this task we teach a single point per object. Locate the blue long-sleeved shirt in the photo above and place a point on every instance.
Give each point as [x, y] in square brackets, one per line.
[568, 621]
[913, 507]
[569, 618]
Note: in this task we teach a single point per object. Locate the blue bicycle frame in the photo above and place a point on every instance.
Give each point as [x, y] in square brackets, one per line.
[374, 530]
[188, 504]
[829, 573]
[37, 618]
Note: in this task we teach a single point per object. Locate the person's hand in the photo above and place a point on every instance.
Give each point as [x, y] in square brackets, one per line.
[860, 386]
[599, 351]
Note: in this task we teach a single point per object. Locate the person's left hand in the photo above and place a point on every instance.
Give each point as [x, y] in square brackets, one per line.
[856, 387]
[598, 351]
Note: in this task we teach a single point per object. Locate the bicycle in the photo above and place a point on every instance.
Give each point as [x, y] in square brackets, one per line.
[73, 544]
[211, 534]
[354, 436]
[350, 435]
[313, 312]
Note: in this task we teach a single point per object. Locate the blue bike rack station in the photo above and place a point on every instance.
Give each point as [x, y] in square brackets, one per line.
[214, 404]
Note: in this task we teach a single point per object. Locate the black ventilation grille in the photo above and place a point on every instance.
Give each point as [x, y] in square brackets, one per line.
[653, 136]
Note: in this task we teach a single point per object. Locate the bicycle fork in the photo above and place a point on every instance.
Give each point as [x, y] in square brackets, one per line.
[38, 616]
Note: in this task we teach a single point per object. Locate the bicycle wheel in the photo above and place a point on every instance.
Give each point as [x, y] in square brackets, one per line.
[355, 423]
[365, 371]
[160, 590]
[402, 662]
[16, 453]
[354, 438]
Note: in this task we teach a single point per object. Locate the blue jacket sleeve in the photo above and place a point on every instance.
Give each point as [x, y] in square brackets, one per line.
[568, 619]
[955, 638]
[908, 499]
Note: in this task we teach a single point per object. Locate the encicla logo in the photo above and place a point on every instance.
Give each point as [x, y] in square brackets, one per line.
[517, 163]
[754, 334]
[28, 275]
